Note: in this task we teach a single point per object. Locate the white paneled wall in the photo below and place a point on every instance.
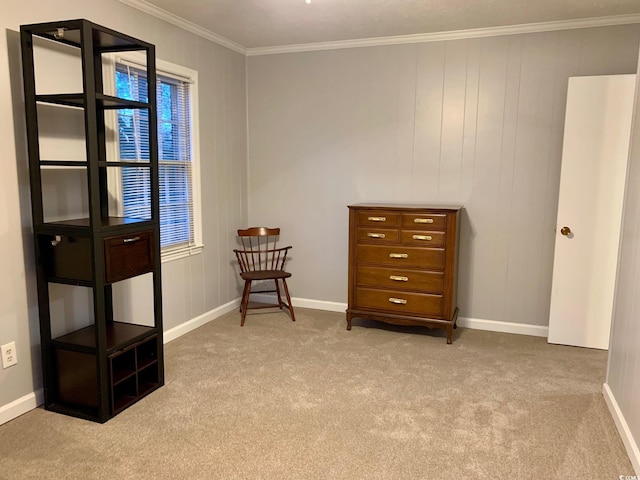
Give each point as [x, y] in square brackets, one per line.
[623, 375]
[475, 122]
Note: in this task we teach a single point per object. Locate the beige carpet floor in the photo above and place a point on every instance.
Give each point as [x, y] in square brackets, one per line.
[309, 400]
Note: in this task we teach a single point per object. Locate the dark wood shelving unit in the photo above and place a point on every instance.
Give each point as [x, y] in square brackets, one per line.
[96, 371]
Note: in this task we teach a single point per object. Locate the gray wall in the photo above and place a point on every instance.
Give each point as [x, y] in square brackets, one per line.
[191, 286]
[474, 122]
[623, 376]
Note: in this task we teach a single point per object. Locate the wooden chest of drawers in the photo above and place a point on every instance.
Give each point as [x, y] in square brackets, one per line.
[403, 264]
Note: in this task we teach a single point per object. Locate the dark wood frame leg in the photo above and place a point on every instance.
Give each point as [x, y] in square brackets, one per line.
[278, 293]
[244, 293]
[349, 321]
[245, 301]
[286, 291]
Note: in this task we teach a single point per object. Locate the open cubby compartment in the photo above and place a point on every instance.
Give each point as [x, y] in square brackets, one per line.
[52, 56]
[77, 382]
[134, 372]
[70, 309]
[148, 379]
[62, 137]
[129, 187]
[124, 394]
[65, 194]
[148, 367]
[147, 353]
[122, 366]
[133, 300]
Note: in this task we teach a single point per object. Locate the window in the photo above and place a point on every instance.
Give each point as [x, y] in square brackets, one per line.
[178, 161]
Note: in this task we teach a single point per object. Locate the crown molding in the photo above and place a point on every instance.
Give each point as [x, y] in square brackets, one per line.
[168, 17]
[451, 35]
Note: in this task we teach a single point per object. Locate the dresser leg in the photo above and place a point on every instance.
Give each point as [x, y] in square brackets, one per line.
[449, 334]
[348, 321]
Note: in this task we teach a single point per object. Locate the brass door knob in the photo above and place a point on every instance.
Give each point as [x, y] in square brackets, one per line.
[565, 231]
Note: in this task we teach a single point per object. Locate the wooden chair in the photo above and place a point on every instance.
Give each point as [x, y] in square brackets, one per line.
[260, 260]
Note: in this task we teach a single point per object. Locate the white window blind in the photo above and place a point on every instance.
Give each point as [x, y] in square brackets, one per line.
[174, 154]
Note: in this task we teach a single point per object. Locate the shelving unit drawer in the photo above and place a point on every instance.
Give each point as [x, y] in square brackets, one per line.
[424, 221]
[401, 256]
[128, 255]
[400, 302]
[378, 218]
[422, 238]
[431, 282]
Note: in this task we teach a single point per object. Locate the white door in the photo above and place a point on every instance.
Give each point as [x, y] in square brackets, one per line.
[592, 179]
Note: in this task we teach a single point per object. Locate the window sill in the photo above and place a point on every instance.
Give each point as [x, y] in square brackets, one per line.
[182, 252]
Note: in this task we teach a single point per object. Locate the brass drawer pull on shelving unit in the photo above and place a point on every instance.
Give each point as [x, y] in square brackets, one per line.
[423, 220]
[422, 237]
[375, 235]
[377, 219]
[398, 278]
[398, 255]
[129, 240]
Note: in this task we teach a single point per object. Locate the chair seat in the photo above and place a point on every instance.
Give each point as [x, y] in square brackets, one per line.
[265, 275]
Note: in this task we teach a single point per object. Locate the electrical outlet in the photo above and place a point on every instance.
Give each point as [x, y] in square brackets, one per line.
[9, 355]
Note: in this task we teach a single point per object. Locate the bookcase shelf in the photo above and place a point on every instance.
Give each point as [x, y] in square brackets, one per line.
[98, 370]
[78, 100]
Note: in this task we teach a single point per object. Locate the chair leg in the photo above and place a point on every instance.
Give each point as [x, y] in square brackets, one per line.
[244, 292]
[245, 301]
[278, 292]
[286, 291]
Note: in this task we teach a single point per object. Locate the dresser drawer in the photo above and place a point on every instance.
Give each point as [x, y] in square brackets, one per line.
[128, 255]
[422, 238]
[401, 256]
[424, 221]
[420, 304]
[377, 235]
[378, 218]
[432, 282]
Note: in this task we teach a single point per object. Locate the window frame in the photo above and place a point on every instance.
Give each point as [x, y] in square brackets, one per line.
[176, 72]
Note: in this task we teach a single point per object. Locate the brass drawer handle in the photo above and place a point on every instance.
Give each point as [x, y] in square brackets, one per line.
[377, 219]
[398, 255]
[422, 237]
[375, 235]
[400, 301]
[398, 278]
[129, 240]
[423, 220]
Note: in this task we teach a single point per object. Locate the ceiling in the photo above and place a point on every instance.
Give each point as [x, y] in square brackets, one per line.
[269, 23]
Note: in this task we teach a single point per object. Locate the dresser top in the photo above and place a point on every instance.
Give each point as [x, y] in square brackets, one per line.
[406, 206]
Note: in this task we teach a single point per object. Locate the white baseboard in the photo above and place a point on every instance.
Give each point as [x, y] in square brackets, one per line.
[623, 428]
[465, 322]
[200, 320]
[21, 405]
[504, 327]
